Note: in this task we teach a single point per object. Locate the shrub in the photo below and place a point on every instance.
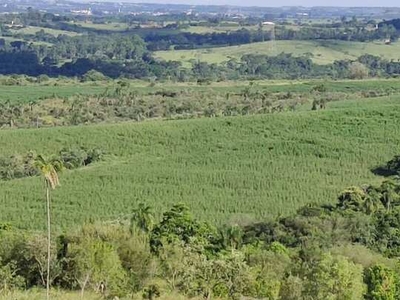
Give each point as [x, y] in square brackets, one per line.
[94, 75]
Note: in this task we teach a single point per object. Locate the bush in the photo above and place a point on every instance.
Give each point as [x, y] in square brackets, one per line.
[394, 165]
[79, 157]
[381, 283]
[94, 75]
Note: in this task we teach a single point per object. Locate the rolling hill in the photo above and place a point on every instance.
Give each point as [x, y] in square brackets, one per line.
[321, 52]
[251, 167]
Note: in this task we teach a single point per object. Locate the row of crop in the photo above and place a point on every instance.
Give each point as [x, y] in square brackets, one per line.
[221, 168]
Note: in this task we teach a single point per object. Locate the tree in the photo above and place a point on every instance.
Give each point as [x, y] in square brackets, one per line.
[292, 288]
[96, 264]
[394, 165]
[93, 75]
[381, 283]
[334, 278]
[269, 269]
[8, 277]
[143, 217]
[151, 292]
[48, 170]
[357, 199]
[358, 70]
[178, 225]
[352, 198]
[233, 236]
[389, 193]
[226, 276]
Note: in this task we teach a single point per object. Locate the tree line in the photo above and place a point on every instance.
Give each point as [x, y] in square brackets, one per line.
[142, 65]
[121, 103]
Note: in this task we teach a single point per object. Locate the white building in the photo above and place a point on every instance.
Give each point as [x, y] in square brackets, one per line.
[268, 23]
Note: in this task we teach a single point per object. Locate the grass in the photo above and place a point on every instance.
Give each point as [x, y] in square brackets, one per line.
[37, 294]
[34, 29]
[321, 52]
[18, 94]
[36, 92]
[223, 168]
[282, 86]
[113, 26]
[217, 29]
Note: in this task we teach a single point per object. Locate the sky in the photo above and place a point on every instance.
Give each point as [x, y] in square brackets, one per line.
[375, 3]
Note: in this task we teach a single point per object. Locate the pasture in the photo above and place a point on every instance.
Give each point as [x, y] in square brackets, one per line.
[20, 94]
[111, 26]
[70, 87]
[35, 29]
[66, 88]
[321, 52]
[224, 169]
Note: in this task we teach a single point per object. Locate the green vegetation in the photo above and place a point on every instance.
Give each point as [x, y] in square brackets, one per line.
[25, 166]
[31, 30]
[321, 52]
[343, 250]
[43, 88]
[111, 26]
[223, 168]
[235, 168]
[126, 46]
[18, 94]
[219, 28]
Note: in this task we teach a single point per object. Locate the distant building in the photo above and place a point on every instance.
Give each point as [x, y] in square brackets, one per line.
[268, 23]
[13, 25]
[86, 12]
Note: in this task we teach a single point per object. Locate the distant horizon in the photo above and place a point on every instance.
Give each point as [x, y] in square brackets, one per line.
[261, 3]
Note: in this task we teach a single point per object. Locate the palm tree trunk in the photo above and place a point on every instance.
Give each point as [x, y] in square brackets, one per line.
[48, 241]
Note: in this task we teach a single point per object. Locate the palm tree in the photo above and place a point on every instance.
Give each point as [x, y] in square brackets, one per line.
[49, 171]
[143, 217]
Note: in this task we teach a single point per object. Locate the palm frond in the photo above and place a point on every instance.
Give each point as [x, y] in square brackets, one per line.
[49, 170]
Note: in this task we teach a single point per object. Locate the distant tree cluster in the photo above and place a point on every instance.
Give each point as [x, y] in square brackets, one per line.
[250, 66]
[20, 166]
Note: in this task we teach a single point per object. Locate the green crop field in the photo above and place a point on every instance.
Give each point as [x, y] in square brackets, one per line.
[251, 167]
[321, 52]
[35, 92]
[19, 94]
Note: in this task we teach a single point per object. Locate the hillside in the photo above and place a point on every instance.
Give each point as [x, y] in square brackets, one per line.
[223, 168]
[321, 52]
